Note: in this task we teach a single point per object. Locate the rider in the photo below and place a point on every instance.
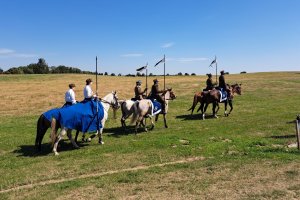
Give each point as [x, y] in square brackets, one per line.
[87, 91]
[222, 83]
[155, 94]
[139, 94]
[209, 83]
[70, 95]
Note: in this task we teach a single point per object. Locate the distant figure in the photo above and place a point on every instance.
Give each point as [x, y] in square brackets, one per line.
[70, 95]
[209, 83]
[139, 93]
[222, 83]
[87, 91]
[155, 94]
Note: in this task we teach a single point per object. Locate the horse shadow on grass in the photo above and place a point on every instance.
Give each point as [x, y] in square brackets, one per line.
[194, 117]
[120, 131]
[31, 151]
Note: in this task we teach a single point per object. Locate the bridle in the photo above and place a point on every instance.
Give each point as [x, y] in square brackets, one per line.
[114, 105]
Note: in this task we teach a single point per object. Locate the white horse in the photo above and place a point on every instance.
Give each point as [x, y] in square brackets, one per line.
[110, 100]
[144, 108]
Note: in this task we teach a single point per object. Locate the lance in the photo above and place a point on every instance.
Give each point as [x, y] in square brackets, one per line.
[164, 77]
[97, 109]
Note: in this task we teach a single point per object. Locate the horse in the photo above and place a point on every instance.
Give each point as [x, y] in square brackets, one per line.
[43, 124]
[110, 100]
[213, 96]
[236, 88]
[143, 108]
[127, 109]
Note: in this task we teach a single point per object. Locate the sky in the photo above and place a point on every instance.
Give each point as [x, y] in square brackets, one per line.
[244, 35]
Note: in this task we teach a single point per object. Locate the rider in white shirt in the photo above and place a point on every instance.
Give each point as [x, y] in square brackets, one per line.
[70, 95]
[87, 91]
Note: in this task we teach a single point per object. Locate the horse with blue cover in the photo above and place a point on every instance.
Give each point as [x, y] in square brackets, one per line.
[86, 117]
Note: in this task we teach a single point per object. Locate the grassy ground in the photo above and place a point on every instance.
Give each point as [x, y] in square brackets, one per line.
[243, 156]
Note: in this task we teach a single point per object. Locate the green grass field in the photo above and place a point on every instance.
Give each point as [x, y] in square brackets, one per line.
[243, 156]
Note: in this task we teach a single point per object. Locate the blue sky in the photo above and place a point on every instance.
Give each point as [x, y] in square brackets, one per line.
[245, 35]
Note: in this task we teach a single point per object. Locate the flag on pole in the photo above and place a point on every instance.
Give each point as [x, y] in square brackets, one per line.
[161, 61]
[141, 68]
[214, 61]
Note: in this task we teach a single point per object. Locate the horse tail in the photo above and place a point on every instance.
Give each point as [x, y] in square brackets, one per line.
[195, 101]
[135, 112]
[41, 128]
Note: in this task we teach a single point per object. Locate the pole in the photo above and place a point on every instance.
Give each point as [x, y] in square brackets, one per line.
[146, 81]
[297, 134]
[216, 70]
[96, 76]
[97, 109]
[164, 76]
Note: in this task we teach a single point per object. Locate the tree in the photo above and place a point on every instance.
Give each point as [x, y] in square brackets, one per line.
[14, 70]
[105, 74]
[179, 74]
[41, 67]
[150, 74]
[119, 74]
[193, 74]
[113, 74]
[186, 74]
[1, 70]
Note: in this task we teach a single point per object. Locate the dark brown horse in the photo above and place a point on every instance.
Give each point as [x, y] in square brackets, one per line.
[213, 96]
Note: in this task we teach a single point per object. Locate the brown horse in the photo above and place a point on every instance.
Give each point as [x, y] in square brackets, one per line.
[213, 96]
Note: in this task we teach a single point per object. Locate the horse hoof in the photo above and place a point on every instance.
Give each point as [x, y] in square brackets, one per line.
[146, 130]
[101, 142]
[166, 126]
[56, 154]
[215, 116]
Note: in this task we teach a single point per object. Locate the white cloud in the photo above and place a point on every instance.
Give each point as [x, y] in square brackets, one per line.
[132, 55]
[167, 45]
[12, 53]
[6, 51]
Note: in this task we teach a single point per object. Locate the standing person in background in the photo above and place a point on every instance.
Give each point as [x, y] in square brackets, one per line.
[70, 96]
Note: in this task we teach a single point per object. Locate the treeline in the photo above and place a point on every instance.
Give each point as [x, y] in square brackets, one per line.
[41, 67]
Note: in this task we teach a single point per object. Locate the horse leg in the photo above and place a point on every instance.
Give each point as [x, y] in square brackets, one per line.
[218, 107]
[165, 120]
[214, 110]
[138, 121]
[202, 111]
[60, 136]
[69, 134]
[156, 117]
[152, 123]
[231, 106]
[225, 112]
[76, 136]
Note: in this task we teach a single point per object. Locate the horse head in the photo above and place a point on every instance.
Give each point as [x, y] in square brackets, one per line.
[237, 88]
[169, 94]
[114, 102]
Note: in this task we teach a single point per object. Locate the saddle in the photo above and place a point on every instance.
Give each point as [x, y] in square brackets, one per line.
[223, 94]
